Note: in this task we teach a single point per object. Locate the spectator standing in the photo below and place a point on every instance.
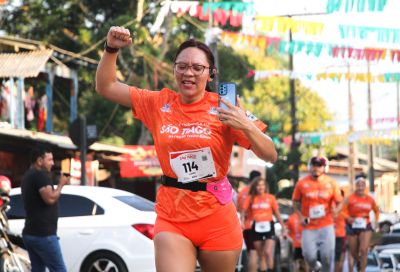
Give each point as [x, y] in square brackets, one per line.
[313, 198]
[40, 200]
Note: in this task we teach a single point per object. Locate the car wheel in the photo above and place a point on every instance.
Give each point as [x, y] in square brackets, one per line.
[385, 227]
[102, 261]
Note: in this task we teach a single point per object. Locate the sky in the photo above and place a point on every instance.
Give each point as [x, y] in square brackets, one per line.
[383, 95]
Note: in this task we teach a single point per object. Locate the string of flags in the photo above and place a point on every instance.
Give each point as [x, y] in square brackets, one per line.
[268, 44]
[355, 6]
[373, 137]
[336, 77]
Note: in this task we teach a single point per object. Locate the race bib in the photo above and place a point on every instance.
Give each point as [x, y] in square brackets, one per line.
[317, 211]
[359, 223]
[191, 165]
[263, 226]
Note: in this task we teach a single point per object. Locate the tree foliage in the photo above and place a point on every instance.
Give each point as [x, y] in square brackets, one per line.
[81, 27]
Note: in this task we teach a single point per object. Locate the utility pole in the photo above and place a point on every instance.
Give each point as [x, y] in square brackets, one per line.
[351, 157]
[292, 88]
[294, 146]
[212, 41]
[371, 174]
[398, 137]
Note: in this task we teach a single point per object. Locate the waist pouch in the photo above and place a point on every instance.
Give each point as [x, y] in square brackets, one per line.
[221, 189]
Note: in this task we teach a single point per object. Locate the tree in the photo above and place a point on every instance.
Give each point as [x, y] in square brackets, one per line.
[81, 26]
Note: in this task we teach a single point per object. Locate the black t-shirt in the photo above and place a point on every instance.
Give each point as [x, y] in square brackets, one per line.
[41, 218]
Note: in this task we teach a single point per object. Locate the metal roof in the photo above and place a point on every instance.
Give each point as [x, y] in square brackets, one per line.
[25, 64]
[57, 140]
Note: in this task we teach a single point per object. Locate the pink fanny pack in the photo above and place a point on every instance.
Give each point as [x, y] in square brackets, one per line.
[221, 189]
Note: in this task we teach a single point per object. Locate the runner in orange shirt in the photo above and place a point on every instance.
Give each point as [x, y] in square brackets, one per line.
[340, 242]
[295, 228]
[357, 207]
[314, 197]
[193, 137]
[252, 257]
[261, 207]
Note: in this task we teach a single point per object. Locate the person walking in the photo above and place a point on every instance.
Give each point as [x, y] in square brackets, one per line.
[357, 207]
[193, 136]
[314, 197]
[294, 229]
[40, 200]
[261, 207]
[252, 256]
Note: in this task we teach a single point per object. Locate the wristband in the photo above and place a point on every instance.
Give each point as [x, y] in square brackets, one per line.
[110, 50]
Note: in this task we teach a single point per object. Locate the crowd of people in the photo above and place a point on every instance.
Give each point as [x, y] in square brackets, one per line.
[323, 226]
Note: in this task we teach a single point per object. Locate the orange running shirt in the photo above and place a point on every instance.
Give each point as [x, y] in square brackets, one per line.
[358, 206]
[241, 198]
[340, 225]
[317, 197]
[294, 228]
[241, 201]
[181, 127]
[261, 207]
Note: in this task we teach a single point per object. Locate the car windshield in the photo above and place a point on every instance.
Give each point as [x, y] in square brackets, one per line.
[137, 202]
[386, 262]
[372, 260]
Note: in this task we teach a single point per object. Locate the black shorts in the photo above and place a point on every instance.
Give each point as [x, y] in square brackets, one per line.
[262, 236]
[298, 254]
[340, 247]
[350, 231]
[248, 239]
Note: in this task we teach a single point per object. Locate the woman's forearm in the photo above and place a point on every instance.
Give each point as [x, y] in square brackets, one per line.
[261, 144]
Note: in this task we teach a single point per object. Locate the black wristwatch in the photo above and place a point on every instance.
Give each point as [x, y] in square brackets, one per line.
[110, 50]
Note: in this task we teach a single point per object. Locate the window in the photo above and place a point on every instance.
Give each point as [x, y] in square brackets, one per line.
[17, 210]
[74, 205]
[137, 202]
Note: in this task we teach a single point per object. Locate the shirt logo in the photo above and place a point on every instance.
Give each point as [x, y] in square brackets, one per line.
[187, 130]
[213, 111]
[166, 108]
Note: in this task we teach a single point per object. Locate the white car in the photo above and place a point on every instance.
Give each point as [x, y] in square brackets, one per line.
[99, 228]
[396, 228]
[390, 259]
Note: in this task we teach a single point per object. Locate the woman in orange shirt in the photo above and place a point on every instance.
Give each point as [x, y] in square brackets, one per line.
[357, 207]
[193, 136]
[294, 229]
[261, 207]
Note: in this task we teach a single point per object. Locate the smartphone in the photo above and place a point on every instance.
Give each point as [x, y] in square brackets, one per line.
[227, 90]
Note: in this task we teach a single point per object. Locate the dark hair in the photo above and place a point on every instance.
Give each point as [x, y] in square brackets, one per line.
[253, 186]
[39, 152]
[361, 175]
[253, 174]
[203, 47]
